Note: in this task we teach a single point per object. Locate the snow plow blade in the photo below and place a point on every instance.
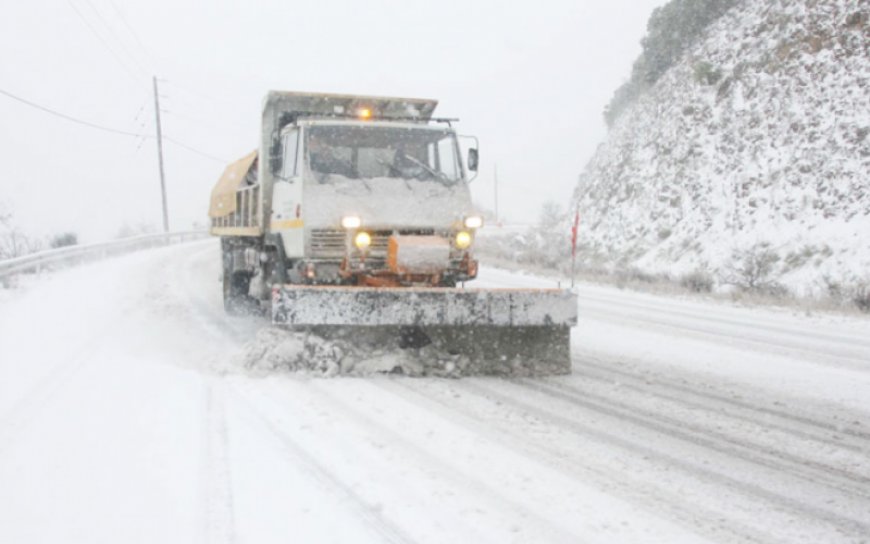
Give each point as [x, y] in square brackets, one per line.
[489, 331]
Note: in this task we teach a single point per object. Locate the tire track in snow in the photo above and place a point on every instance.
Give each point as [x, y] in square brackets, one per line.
[669, 505]
[366, 512]
[677, 390]
[837, 480]
[834, 519]
[216, 488]
[460, 478]
[217, 500]
[553, 531]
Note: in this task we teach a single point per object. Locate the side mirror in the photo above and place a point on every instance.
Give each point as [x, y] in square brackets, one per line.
[473, 159]
[275, 157]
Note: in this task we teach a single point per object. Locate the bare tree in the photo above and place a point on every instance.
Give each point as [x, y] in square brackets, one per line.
[5, 217]
[13, 242]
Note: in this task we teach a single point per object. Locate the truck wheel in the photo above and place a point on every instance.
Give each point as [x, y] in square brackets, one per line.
[236, 285]
[236, 299]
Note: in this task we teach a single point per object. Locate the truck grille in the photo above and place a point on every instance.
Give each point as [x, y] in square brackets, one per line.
[327, 244]
[331, 243]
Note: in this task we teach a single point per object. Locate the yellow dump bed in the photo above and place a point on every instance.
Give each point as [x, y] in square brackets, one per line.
[234, 209]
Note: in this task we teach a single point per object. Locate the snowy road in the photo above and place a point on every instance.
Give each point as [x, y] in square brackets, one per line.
[125, 416]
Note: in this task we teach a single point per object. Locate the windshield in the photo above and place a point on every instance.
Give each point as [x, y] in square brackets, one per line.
[367, 152]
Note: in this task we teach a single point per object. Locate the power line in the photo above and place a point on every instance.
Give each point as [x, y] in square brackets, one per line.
[194, 150]
[105, 44]
[70, 118]
[107, 129]
[112, 33]
[130, 29]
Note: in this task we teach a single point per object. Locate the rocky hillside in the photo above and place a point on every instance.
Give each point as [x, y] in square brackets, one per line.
[748, 160]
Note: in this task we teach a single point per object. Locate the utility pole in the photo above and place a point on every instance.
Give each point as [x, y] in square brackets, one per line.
[495, 184]
[160, 156]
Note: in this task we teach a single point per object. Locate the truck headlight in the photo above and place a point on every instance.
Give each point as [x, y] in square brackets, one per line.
[362, 240]
[351, 222]
[463, 240]
[473, 222]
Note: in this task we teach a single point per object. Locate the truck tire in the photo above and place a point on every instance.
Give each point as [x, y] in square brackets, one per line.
[236, 285]
[236, 300]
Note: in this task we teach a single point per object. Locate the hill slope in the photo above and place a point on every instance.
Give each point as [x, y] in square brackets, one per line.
[751, 154]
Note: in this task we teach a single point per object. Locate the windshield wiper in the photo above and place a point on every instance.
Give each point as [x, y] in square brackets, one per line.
[438, 175]
[391, 168]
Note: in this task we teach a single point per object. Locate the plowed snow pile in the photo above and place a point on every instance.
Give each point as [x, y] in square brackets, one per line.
[350, 353]
[362, 351]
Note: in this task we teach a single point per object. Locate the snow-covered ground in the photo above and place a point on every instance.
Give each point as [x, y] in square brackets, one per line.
[127, 416]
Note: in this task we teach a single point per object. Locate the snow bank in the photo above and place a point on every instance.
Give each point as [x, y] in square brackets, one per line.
[365, 353]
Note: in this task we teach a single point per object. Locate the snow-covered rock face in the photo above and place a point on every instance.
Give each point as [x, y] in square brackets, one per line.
[771, 151]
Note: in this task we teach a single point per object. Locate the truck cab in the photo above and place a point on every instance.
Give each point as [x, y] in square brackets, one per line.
[373, 202]
[348, 190]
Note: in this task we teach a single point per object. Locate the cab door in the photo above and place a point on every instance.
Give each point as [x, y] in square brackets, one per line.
[287, 220]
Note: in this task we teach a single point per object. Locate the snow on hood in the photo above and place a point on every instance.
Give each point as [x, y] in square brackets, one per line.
[384, 201]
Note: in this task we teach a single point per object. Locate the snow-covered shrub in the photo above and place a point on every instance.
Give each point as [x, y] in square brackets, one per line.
[699, 281]
[848, 291]
[633, 276]
[861, 296]
[64, 239]
[754, 269]
[706, 73]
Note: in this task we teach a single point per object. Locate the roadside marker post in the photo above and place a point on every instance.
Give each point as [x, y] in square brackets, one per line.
[574, 228]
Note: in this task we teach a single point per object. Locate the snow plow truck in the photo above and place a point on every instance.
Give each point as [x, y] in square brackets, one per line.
[355, 212]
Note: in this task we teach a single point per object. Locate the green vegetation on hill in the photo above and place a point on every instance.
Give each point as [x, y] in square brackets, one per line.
[671, 30]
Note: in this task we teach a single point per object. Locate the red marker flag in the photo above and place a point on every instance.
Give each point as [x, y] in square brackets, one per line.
[574, 233]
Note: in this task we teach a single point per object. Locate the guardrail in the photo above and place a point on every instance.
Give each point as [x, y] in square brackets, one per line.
[91, 252]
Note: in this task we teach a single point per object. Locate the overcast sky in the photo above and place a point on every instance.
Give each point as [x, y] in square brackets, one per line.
[528, 78]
